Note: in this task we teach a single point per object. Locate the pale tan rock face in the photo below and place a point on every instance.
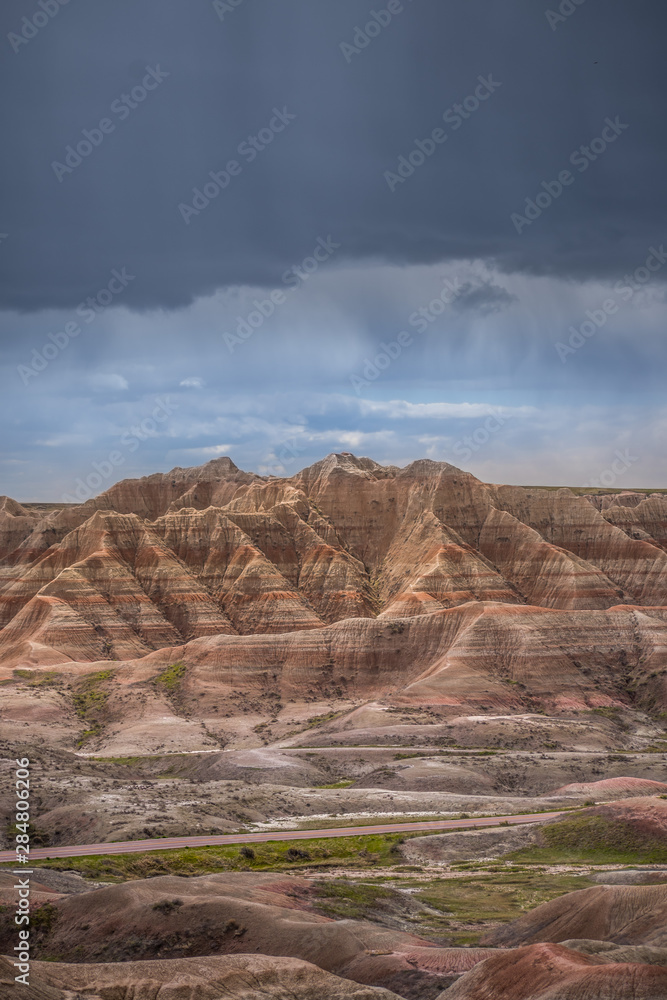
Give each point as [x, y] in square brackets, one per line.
[15, 523]
[212, 551]
[645, 519]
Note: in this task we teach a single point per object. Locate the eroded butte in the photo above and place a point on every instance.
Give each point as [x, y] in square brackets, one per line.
[213, 652]
[415, 603]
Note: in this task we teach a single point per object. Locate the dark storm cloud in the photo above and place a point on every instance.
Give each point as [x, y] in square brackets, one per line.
[487, 297]
[211, 78]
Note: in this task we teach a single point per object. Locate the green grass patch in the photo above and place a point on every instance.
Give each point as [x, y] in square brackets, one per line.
[595, 838]
[90, 698]
[126, 761]
[170, 679]
[154, 766]
[361, 852]
[345, 900]
[611, 712]
[44, 917]
[447, 753]
[472, 904]
[318, 720]
[338, 784]
[39, 678]
[38, 838]
[383, 819]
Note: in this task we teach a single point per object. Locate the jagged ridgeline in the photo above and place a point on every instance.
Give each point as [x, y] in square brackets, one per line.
[348, 581]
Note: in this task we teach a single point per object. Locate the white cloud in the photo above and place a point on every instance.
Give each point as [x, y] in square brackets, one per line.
[104, 381]
[65, 440]
[193, 382]
[395, 409]
[202, 454]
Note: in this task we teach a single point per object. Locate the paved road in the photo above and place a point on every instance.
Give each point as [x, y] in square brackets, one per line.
[171, 843]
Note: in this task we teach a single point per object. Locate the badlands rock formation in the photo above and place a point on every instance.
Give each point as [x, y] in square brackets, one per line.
[643, 817]
[353, 585]
[234, 913]
[619, 913]
[210, 649]
[551, 972]
[213, 550]
[234, 977]
[612, 788]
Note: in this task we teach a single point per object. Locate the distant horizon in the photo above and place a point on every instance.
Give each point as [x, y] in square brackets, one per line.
[440, 237]
[550, 486]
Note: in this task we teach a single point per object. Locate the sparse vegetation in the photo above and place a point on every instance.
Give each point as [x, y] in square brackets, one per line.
[368, 819]
[472, 904]
[396, 627]
[90, 699]
[354, 852]
[296, 854]
[38, 838]
[447, 753]
[44, 917]
[167, 906]
[233, 927]
[318, 720]
[613, 713]
[595, 839]
[171, 679]
[39, 678]
[346, 900]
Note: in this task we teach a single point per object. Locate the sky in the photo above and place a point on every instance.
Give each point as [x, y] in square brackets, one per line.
[274, 230]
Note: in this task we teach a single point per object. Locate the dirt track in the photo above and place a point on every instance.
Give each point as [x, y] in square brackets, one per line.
[172, 843]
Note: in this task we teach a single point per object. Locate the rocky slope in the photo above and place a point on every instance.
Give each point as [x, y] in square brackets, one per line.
[238, 913]
[408, 603]
[478, 674]
[613, 788]
[552, 972]
[235, 977]
[618, 913]
[213, 550]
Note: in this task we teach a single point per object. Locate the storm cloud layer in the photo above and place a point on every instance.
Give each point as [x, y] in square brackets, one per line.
[243, 204]
[357, 110]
